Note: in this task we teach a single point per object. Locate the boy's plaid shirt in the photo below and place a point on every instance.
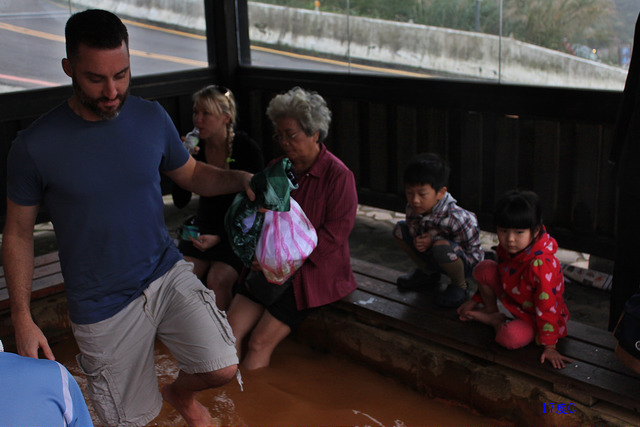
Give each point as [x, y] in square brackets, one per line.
[448, 221]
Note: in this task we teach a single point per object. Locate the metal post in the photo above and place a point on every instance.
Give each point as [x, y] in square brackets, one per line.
[222, 40]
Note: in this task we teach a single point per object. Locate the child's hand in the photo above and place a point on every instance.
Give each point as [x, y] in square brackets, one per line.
[423, 242]
[554, 357]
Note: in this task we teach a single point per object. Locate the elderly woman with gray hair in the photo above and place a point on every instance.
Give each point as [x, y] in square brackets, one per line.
[327, 195]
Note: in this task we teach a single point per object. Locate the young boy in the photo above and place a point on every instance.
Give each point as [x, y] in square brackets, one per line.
[438, 235]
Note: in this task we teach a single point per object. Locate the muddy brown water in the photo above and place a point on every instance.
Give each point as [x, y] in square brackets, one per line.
[303, 387]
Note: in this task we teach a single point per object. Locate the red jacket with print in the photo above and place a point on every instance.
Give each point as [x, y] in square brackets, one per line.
[533, 286]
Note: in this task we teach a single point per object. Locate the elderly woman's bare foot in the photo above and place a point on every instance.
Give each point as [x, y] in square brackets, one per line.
[193, 412]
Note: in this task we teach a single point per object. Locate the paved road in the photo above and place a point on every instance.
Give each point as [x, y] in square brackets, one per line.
[32, 45]
[32, 35]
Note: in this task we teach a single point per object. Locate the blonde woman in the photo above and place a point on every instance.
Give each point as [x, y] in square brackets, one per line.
[214, 115]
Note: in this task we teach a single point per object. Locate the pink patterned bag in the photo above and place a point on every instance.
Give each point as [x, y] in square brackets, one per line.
[287, 239]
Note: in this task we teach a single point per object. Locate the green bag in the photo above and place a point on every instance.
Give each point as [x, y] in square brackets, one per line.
[243, 222]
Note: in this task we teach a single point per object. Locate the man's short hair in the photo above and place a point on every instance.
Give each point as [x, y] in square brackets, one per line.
[94, 28]
[427, 168]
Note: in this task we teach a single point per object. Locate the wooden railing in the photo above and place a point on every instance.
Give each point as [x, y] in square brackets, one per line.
[495, 137]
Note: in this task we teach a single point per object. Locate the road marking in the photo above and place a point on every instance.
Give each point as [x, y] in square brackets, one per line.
[165, 30]
[139, 53]
[27, 80]
[340, 63]
[169, 58]
[204, 64]
[30, 32]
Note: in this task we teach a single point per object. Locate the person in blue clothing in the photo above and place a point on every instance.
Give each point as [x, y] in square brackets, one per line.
[39, 393]
[95, 163]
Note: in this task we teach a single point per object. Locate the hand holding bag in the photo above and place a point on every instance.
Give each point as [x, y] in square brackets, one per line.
[243, 220]
[287, 239]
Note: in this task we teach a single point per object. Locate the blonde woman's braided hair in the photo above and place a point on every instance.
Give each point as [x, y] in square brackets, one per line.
[220, 100]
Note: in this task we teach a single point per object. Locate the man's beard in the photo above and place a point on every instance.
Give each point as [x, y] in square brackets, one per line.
[93, 103]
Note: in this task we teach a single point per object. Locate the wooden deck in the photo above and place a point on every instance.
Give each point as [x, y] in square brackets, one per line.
[595, 371]
[48, 302]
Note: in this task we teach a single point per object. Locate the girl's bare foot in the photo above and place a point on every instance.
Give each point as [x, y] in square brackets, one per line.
[494, 319]
[465, 308]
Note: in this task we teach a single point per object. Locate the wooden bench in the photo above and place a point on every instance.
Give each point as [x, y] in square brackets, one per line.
[595, 371]
[594, 376]
[48, 302]
[47, 279]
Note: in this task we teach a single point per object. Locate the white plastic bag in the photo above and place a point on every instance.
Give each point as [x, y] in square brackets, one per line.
[287, 239]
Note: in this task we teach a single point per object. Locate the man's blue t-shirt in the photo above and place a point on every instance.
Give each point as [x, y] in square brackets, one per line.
[39, 392]
[100, 182]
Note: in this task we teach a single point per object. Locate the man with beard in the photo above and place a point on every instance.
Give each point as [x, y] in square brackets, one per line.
[94, 162]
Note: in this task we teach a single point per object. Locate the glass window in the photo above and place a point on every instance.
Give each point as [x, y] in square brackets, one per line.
[581, 43]
[164, 37]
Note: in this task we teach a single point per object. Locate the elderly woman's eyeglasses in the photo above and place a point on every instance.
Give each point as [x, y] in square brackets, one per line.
[286, 136]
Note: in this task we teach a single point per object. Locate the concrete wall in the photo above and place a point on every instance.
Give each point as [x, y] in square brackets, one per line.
[188, 14]
[440, 50]
[431, 49]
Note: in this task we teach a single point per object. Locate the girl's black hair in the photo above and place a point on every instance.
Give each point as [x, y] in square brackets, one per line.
[518, 209]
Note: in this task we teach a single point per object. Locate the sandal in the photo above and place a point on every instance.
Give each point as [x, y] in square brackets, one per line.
[452, 297]
[417, 279]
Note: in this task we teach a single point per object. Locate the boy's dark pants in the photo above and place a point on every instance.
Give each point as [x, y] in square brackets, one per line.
[430, 261]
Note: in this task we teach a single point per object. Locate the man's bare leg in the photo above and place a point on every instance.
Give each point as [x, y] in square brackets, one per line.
[628, 359]
[181, 394]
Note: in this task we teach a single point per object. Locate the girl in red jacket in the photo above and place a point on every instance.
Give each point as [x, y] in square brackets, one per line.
[527, 279]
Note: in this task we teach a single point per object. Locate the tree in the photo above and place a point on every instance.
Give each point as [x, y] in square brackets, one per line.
[553, 24]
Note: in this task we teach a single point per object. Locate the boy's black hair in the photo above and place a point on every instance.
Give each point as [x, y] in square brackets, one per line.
[94, 28]
[427, 168]
[518, 209]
